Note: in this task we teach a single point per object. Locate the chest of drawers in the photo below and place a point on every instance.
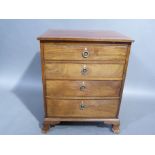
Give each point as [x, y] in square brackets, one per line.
[83, 74]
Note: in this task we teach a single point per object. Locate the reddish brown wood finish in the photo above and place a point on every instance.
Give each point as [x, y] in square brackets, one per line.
[74, 51]
[73, 71]
[59, 88]
[79, 87]
[77, 35]
[82, 108]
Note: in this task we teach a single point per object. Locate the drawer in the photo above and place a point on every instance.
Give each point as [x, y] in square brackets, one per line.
[70, 51]
[82, 108]
[84, 71]
[58, 88]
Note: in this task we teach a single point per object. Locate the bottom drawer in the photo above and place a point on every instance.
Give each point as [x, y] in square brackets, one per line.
[82, 108]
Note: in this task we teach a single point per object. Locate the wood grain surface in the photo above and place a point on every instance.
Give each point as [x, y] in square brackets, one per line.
[83, 75]
[59, 88]
[72, 108]
[74, 71]
[74, 51]
[78, 35]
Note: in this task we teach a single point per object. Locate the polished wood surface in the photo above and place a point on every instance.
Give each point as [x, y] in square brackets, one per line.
[78, 35]
[72, 108]
[58, 88]
[83, 74]
[74, 51]
[74, 71]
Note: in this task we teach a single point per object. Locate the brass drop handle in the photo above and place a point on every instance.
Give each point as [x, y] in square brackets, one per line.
[85, 53]
[82, 106]
[82, 87]
[84, 70]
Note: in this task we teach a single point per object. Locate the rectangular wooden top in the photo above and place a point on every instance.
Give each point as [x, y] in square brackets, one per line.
[78, 35]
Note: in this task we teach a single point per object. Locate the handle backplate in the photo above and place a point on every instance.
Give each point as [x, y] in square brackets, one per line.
[84, 70]
[85, 53]
[82, 87]
[82, 106]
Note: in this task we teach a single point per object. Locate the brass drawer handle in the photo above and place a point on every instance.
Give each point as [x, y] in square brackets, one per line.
[82, 87]
[82, 106]
[84, 70]
[85, 53]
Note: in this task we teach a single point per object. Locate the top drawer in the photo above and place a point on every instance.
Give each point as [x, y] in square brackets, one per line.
[81, 51]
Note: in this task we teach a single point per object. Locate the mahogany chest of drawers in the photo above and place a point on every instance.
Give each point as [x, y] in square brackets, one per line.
[83, 74]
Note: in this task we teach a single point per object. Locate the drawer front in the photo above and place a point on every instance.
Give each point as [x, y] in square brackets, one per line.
[68, 51]
[82, 108]
[58, 88]
[84, 71]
